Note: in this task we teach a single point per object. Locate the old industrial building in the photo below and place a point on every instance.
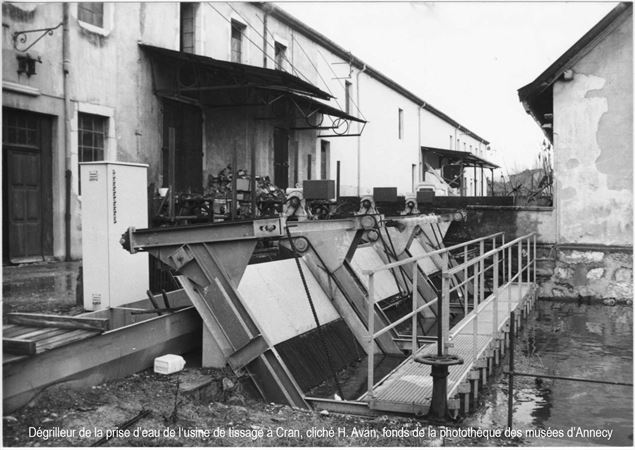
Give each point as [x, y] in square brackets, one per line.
[584, 104]
[165, 144]
[203, 86]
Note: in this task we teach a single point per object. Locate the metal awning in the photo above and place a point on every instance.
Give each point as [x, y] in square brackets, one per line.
[212, 82]
[457, 157]
[208, 82]
[326, 118]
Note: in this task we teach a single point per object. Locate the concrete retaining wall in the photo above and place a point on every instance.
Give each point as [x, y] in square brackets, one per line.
[563, 270]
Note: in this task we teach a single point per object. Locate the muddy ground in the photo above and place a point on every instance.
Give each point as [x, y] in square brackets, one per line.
[224, 415]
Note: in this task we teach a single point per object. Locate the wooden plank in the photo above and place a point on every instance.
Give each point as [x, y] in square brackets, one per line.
[18, 346]
[41, 333]
[113, 354]
[17, 331]
[63, 339]
[51, 320]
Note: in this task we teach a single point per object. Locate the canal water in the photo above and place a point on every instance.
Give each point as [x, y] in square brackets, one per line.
[569, 339]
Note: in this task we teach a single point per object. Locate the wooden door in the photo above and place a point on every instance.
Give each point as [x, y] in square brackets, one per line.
[188, 165]
[281, 158]
[26, 188]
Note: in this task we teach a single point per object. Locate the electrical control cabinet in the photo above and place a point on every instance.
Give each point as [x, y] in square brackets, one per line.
[114, 196]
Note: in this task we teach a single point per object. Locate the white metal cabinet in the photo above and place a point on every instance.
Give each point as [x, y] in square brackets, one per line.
[114, 197]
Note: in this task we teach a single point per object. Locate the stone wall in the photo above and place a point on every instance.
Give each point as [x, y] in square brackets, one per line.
[563, 270]
[599, 273]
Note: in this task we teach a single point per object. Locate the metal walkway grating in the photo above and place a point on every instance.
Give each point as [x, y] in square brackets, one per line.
[408, 388]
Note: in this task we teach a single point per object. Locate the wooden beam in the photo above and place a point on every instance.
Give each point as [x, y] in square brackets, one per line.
[65, 322]
[18, 346]
[113, 354]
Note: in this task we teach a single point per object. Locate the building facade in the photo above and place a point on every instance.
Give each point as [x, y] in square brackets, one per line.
[584, 104]
[189, 89]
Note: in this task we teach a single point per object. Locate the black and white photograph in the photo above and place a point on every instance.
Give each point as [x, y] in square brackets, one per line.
[317, 224]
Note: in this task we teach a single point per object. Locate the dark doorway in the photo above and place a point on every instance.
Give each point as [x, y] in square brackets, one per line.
[281, 158]
[27, 226]
[186, 122]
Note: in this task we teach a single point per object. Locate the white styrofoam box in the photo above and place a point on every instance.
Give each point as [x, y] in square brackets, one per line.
[114, 197]
[168, 364]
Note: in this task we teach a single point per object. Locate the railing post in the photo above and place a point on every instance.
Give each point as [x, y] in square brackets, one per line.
[535, 258]
[477, 291]
[520, 268]
[509, 278]
[509, 264]
[482, 273]
[444, 309]
[415, 277]
[466, 291]
[529, 265]
[371, 331]
[503, 259]
[495, 302]
[510, 375]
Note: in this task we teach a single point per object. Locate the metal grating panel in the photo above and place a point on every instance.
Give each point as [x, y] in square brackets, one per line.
[411, 383]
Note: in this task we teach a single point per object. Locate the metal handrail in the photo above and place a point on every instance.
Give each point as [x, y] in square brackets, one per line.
[427, 255]
[480, 302]
[456, 268]
[501, 254]
[372, 335]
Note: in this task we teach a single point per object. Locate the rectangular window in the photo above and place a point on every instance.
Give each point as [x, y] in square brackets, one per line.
[309, 167]
[450, 147]
[91, 137]
[237, 41]
[187, 27]
[464, 146]
[325, 157]
[91, 12]
[280, 55]
[458, 144]
[347, 96]
[400, 114]
[19, 129]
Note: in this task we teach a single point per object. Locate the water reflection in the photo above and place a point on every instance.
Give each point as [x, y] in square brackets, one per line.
[573, 340]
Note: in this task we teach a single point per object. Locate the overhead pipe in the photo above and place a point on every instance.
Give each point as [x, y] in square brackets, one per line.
[66, 67]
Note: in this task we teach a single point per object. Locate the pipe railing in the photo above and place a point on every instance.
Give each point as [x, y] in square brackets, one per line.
[525, 273]
[443, 306]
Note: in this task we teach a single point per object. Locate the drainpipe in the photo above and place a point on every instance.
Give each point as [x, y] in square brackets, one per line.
[264, 40]
[66, 57]
[359, 138]
[420, 175]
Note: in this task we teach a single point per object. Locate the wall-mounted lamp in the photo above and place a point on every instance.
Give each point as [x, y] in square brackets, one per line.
[26, 64]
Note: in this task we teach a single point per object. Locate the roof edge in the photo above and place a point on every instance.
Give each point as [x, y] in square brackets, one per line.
[321, 39]
[551, 74]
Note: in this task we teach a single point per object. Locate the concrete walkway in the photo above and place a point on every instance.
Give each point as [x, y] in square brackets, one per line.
[41, 287]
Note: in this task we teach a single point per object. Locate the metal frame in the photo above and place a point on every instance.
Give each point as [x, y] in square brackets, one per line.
[479, 267]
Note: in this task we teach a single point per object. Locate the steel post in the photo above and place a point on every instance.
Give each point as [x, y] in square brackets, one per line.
[371, 331]
[510, 375]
